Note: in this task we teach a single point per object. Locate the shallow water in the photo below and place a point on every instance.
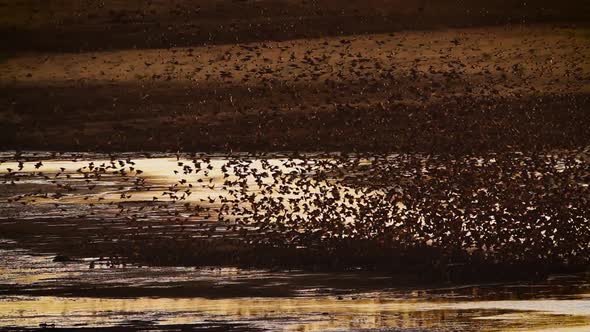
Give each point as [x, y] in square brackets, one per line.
[74, 181]
[313, 306]
[70, 201]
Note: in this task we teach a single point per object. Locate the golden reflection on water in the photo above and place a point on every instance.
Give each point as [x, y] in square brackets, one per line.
[300, 314]
[291, 314]
[159, 174]
[162, 180]
[158, 171]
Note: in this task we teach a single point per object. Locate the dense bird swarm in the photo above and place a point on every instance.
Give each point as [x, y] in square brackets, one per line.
[346, 211]
[460, 128]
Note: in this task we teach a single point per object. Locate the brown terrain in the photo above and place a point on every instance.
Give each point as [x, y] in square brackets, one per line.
[412, 76]
[469, 122]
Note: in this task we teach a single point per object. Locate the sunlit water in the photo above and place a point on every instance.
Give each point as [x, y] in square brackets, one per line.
[68, 194]
[73, 184]
[314, 306]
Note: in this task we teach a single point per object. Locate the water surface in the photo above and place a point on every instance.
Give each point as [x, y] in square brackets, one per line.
[67, 198]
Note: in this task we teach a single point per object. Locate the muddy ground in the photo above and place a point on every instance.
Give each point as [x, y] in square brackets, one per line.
[440, 77]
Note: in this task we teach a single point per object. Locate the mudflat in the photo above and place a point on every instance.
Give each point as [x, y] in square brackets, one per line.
[437, 77]
[184, 165]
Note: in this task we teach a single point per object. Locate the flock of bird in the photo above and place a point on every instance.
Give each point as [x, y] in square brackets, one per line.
[469, 90]
[509, 207]
[458, 103]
